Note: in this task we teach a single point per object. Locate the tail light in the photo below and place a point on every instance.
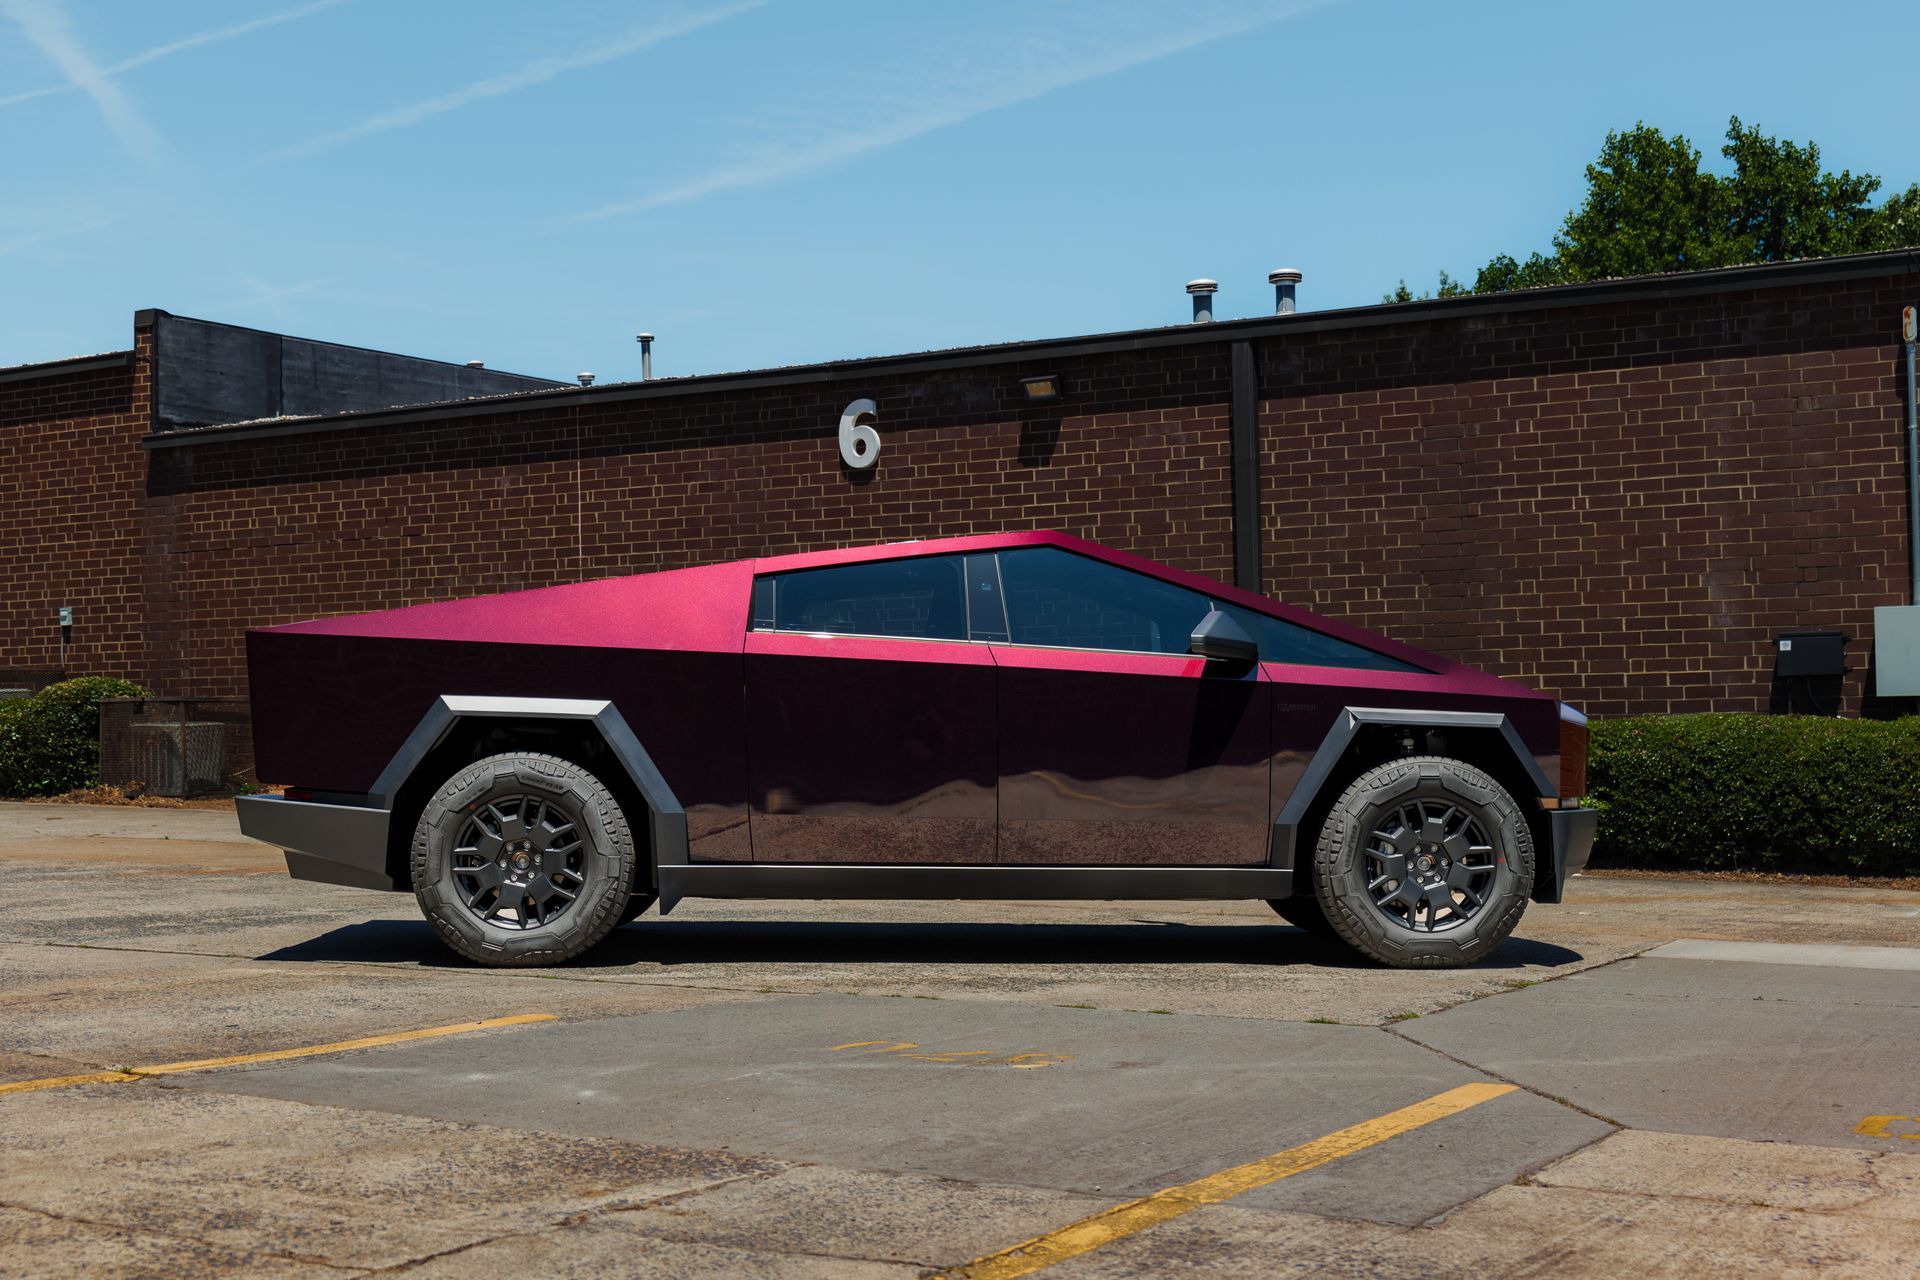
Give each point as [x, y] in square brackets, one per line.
[1573, 754]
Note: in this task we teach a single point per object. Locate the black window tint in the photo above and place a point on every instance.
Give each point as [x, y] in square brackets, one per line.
[762, 604]
[1057, 598]
[1284, 642]
[986, 618]
[916, 599]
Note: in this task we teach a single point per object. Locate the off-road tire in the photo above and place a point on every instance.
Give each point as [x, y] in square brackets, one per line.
[608, 859]
[1340, 864]
[637, 906]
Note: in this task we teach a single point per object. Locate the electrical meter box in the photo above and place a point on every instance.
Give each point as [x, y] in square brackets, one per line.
[1802, 654]
[1896, 651]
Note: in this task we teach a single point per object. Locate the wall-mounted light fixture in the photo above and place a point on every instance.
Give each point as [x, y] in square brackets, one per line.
[1043, 389]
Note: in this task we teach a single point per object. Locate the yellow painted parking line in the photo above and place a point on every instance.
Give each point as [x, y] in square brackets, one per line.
[1135, 1216]
[957, 1057]
[57, 1082]
[273, 1055]
[1879, 1127]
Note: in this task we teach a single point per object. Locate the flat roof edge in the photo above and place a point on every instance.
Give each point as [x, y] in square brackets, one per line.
[1384, 315]
[72, 364]
[150, 316]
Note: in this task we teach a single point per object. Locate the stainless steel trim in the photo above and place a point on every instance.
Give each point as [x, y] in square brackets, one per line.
[1573, 832]
[329, 843]
[796, 880]
[861, 635]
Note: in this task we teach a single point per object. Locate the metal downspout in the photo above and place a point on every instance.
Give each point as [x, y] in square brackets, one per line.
[1245, 430]
[1908, 328]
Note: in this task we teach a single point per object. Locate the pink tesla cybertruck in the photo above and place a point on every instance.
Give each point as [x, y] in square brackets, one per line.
[1015, 716]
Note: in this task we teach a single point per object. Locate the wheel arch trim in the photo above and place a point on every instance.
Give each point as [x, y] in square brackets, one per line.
[666, 817]
[1347, 725]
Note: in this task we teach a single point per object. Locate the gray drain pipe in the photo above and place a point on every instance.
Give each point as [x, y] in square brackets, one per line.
[1910, 331]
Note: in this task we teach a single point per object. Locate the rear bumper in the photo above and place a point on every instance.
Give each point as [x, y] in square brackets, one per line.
[329, 843]
[1573, 831]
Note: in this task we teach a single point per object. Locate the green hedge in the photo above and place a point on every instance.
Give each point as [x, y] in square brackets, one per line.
[1783, 793]
[50, 743]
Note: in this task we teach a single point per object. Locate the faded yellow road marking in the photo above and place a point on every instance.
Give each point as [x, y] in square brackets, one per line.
[1876, 1127]
[962, 1057]
[272, 1055]
[1135, 1216]
[56, 1082]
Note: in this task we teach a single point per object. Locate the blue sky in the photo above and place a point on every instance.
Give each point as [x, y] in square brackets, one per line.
[765, 182]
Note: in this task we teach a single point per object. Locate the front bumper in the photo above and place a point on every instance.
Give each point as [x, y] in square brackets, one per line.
[1572, 831]
[329, 843]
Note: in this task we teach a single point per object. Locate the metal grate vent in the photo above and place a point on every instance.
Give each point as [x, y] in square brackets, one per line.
[176, 746]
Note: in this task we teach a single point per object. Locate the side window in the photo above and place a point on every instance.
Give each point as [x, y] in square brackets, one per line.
[1063, 600]
[986, 615]
[1284, 642]
[919, 599]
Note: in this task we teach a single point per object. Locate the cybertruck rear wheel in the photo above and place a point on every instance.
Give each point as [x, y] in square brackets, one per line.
[1424, 863]
[523, 859]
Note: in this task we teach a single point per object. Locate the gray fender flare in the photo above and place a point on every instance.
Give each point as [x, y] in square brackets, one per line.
[1286, 824]
[666, 818]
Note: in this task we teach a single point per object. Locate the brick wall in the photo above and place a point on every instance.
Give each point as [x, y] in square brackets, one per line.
[1620, 502]
[72, 475]
[277, 530]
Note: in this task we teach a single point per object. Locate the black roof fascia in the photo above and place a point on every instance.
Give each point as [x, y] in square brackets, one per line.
[73, 364]
[1549, 298]
[145, 317]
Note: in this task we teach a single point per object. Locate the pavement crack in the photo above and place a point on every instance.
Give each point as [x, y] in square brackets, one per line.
[410, 970]
[1555, 1098]
[129, 1229]
[400, 1268]
[1840, 1212]
[584, 1217]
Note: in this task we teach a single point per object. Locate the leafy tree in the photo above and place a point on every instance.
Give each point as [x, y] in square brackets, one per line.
[1650, 207]
[1449, 288]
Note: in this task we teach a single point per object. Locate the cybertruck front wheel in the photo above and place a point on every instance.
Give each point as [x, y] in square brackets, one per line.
[1424, 863]
[523, 859]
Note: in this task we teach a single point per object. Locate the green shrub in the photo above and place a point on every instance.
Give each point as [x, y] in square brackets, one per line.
[1785, 793]
[50, 743]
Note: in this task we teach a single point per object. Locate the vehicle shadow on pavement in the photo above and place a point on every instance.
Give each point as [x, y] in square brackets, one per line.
[655, 942]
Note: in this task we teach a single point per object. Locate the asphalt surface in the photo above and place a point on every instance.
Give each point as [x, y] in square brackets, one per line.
[1670, 1078]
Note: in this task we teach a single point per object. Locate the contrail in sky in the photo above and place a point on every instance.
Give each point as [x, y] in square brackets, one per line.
[539, 71]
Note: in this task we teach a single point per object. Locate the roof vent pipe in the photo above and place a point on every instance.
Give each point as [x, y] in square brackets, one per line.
[1202, 292]
[646, 354]
[586, 379]
[1283, 282]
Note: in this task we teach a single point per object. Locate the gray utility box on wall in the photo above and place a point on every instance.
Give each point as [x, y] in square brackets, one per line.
[1896, 651]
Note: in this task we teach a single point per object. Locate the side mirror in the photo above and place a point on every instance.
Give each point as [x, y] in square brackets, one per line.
[1219, 638]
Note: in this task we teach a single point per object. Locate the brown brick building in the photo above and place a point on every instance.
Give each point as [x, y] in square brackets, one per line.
[1618, 492]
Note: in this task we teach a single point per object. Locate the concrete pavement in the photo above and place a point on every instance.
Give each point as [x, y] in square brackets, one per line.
[804, 1089]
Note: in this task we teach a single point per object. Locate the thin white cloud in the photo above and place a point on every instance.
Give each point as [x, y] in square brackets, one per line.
[1042, 71]
[45, 24]
[539, 71]
[223, 33]
[182, 45]
[61, 233]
